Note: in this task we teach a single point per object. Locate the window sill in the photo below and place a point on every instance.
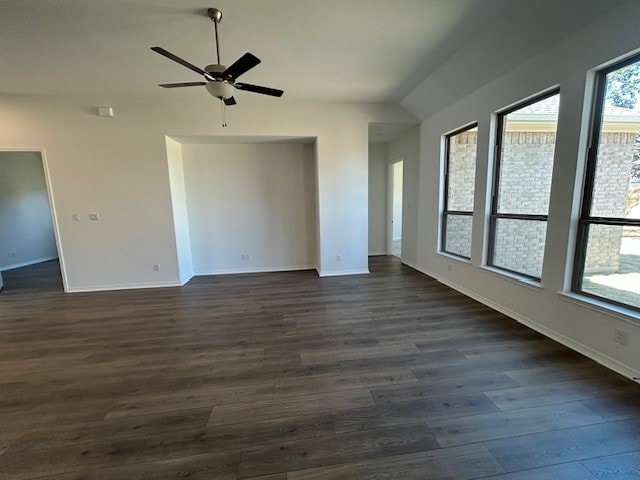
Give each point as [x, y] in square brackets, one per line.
[455, 258]
[621, 313]
[513, 278]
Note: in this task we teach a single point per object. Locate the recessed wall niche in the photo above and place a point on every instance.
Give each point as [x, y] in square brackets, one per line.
[243, 204]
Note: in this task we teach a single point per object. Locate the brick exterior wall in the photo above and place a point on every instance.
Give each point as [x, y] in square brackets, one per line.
[462, 172]
[519, 246]
[525, 172]
[459, 235]
[527, 159]
[526, 167]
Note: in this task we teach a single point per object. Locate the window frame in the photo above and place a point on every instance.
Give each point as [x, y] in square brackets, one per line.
[494, 216]
[445, 201]
[588, 184]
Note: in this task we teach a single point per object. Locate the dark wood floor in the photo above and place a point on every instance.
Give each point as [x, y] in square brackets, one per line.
[290, 376]
[41, 278]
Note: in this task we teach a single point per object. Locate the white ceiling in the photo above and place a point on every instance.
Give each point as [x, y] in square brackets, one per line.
[355, 50]
[342, 50]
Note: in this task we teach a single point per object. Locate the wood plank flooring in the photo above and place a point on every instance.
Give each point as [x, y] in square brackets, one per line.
[287, 376]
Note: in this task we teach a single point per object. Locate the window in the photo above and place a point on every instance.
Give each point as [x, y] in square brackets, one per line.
[607, 262]
[459, 181]
[525, 146]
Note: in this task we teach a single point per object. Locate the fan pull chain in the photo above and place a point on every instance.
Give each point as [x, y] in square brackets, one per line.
[224, 112]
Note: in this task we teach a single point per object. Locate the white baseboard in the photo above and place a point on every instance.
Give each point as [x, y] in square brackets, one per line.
[338, 273]
[598, 357]
[181, 282]
[291, 268]
[123, 286]
[185, 280]
[27, 263]
[376, 254]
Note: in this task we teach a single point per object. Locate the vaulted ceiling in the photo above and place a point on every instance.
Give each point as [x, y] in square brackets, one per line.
[337, 50]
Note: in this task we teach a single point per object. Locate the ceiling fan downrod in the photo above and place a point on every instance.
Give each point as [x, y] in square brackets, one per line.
[216, 16]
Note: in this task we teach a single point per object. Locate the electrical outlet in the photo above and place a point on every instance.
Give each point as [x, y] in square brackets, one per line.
[247, 257]
[339, 257]
[620, 336]
[75, 217]
[94, 217]
[156, 267]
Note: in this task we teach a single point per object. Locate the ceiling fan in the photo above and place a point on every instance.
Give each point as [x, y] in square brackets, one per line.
[220, 79]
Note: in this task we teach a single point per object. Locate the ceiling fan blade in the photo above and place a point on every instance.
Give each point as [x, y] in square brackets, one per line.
[258, 89]
[177, 85]
[179, 60]
[240, 66]
[229, 101]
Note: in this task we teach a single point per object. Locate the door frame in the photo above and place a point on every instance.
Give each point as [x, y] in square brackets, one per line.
[390, 186]
[52, 207]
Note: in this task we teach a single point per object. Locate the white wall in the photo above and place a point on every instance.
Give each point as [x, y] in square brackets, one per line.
[179, 209]
[407, 147]
[118, 167]
[545, 308]
[252, 199]
[378, 186]
[26, 229]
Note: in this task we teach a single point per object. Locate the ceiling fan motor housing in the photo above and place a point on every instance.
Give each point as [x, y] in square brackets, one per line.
[220, 88]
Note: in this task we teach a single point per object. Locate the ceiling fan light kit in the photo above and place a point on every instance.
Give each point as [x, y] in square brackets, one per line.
[220, 80]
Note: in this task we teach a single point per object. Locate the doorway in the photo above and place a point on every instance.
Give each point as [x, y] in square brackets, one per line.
[29, 251]
[395, 208]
